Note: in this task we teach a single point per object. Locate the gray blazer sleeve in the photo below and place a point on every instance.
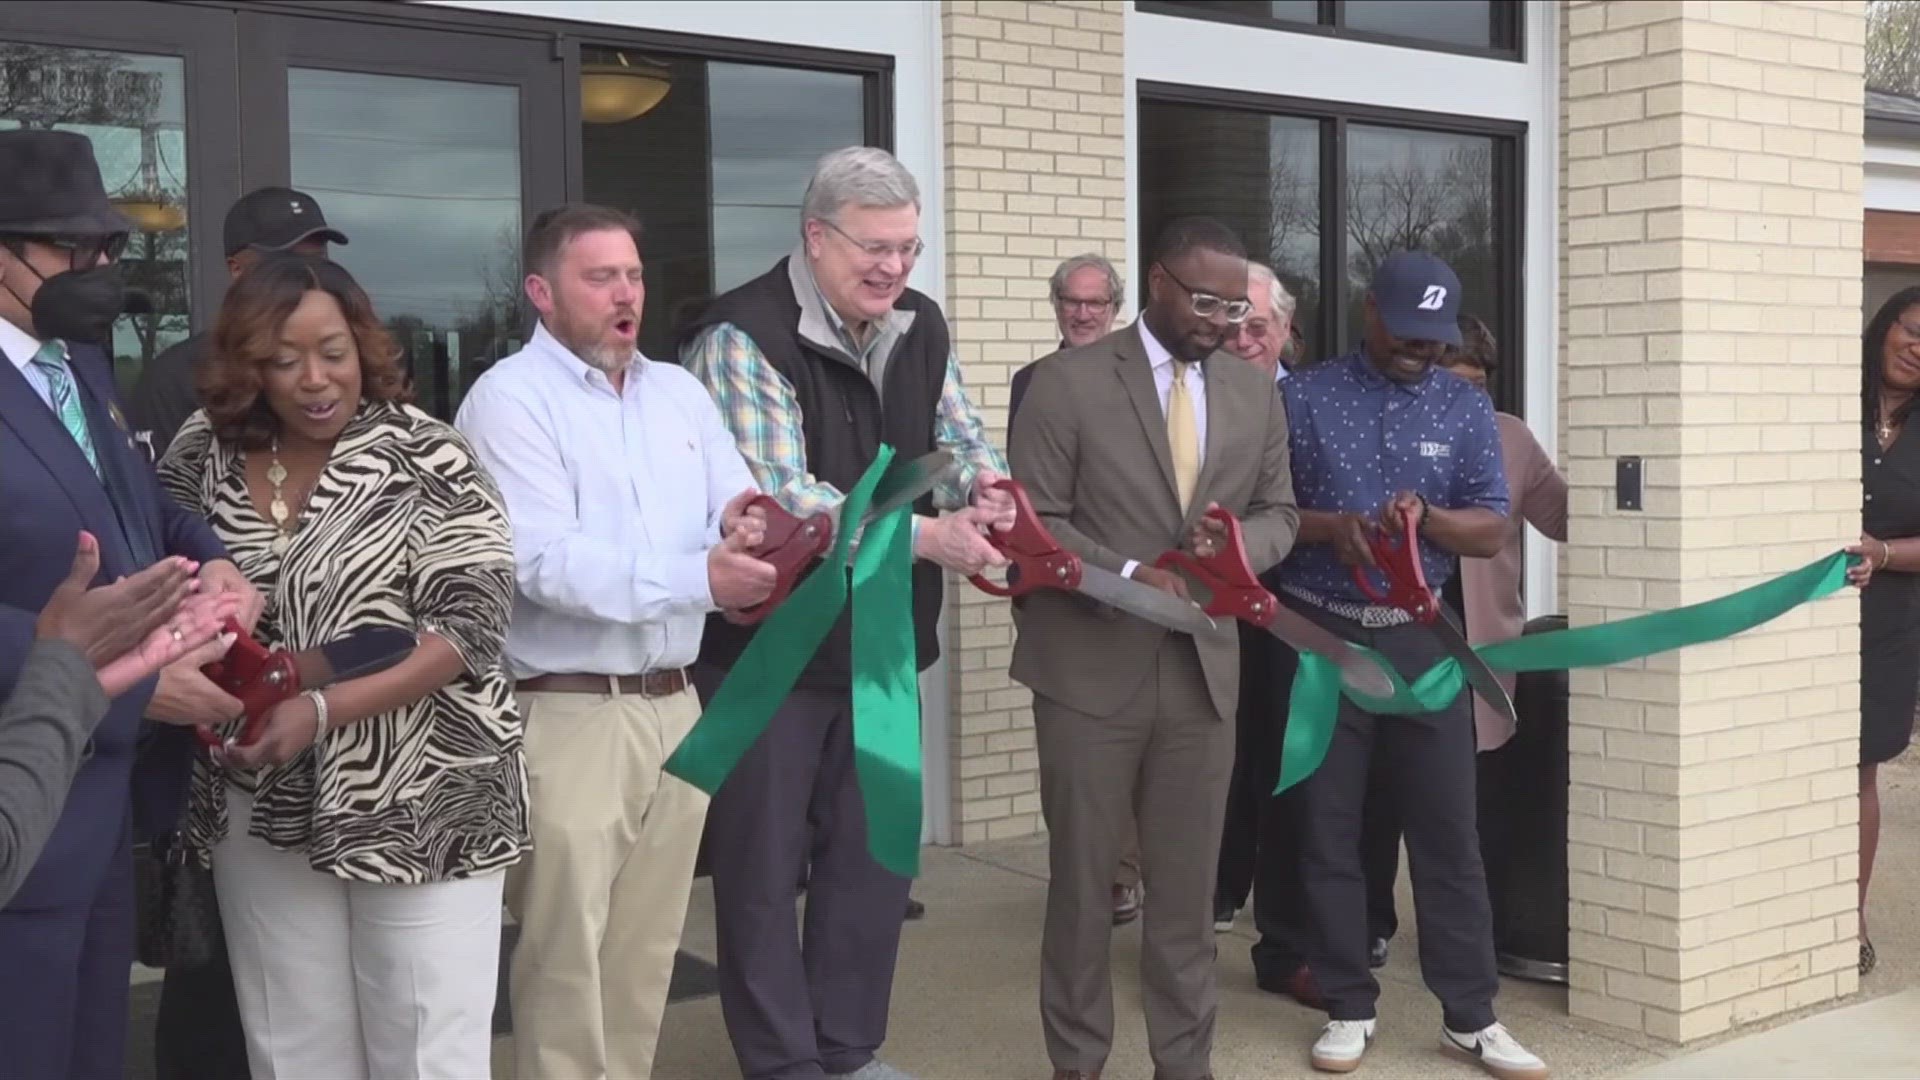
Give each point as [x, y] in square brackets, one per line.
[44, 723]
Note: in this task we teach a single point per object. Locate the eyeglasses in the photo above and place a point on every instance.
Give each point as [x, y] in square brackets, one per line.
[83, 252]
[1092, 307]
[878, 250]
[1206, 305]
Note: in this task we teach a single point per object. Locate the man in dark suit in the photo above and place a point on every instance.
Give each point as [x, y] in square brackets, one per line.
[68, 465]
[1122, 447]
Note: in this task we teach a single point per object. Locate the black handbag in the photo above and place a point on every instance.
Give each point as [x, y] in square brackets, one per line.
[177, 913]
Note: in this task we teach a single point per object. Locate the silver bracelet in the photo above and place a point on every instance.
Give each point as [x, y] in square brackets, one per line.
[320, 714]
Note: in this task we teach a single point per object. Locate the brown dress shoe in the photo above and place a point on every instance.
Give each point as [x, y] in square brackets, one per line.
[1305, 989]
[1126, 908]
[1300, 986]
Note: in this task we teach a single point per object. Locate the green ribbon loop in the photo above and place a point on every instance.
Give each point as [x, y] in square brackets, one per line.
[1314, 706]
[886, 698]
[886, 693]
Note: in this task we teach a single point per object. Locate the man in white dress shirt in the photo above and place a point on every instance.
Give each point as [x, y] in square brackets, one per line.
[625, 492]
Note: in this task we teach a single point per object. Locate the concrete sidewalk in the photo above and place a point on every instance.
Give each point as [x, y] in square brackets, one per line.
[1861, 1042]
[965, 1003]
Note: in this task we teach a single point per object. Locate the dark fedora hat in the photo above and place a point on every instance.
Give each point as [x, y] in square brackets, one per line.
[50, 184]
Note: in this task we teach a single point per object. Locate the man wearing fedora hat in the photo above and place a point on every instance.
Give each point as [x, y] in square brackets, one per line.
[265, 220]
[68, 464]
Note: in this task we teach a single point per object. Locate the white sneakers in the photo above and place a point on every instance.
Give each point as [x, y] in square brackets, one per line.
[1341, 1044]
[1497, 1051]
[1344, 1042]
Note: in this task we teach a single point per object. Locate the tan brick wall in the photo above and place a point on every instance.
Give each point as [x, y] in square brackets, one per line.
[1035, 172]
[1712, 312]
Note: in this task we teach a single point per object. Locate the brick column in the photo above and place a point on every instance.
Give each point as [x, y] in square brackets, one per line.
[1035, 172]
[1712, 197]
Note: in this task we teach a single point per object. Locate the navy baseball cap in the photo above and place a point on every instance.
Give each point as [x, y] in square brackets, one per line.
[1418, 297]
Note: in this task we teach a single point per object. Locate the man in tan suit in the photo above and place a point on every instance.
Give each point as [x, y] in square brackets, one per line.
[1122, 445]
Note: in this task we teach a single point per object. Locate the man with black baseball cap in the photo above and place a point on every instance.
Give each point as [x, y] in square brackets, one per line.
[1377, 436]
[266, 220]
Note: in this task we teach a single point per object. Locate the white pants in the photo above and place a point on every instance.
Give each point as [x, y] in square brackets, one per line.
[341, 980]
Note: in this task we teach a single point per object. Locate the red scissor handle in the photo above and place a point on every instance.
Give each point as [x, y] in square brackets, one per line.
[259, 678]
[1398, 560]
[1038, 561]
[1237, 593]
[791, 544]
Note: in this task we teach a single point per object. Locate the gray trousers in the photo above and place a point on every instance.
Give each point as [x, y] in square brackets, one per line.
[799, 1006]
[1163, 761]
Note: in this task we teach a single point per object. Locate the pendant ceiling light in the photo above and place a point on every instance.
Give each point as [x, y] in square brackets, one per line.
[615, 91]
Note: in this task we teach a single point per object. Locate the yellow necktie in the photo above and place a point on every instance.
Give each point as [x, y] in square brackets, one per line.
[1183, 436]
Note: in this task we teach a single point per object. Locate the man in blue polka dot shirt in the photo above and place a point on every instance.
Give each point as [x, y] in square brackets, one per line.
[1377, 434]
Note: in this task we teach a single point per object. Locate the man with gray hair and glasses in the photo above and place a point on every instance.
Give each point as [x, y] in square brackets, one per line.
[814, 365]
[1085, 291]
[1265, 338]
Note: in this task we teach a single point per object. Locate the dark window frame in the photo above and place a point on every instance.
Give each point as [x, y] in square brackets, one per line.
[213, 122]
[1508, 31]
[568, 36]
[232, 144]
[1509, 171]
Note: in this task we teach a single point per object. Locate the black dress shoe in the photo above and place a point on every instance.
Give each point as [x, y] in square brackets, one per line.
[1223, 916]
[1377, 954]
[915, 909]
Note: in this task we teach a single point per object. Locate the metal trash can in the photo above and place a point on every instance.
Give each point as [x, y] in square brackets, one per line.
[1523, 827]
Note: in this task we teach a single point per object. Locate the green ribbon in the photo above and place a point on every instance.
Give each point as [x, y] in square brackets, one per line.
[1314, 707]
[886, 694]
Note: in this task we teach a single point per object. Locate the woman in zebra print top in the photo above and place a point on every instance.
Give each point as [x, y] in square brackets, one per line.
[360, 875]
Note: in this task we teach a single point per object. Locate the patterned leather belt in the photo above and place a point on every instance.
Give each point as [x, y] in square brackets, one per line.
[652, 684]
[1371, 616]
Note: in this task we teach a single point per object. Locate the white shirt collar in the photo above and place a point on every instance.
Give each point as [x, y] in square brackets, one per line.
[545, 342]
[19, 345]
[1157, 354]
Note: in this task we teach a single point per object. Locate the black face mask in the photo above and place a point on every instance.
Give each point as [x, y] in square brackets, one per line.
[80, 305]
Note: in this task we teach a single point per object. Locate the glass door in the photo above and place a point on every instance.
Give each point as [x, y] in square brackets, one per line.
[152, 90]
[430, 150]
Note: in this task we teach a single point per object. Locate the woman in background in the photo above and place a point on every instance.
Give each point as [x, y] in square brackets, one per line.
[1890, 546]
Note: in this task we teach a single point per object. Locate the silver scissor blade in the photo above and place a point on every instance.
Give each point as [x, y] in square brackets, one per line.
[1357, 669]
[905, 482]
[1479, 676]
[1143, 600]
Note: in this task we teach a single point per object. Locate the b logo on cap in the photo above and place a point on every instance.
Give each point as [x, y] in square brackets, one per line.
[1435, 298]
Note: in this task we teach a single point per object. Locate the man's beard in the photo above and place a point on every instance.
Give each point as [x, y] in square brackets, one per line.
[593, 350]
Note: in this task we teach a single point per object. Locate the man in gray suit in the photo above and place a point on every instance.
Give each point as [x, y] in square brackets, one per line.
[1122, 448]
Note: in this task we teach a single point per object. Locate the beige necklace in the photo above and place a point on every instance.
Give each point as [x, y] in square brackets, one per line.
[277, 508]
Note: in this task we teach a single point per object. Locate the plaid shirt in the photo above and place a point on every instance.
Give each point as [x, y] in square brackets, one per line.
[759, 405]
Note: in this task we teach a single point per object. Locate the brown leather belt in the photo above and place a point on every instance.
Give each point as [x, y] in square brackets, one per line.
[652, 684]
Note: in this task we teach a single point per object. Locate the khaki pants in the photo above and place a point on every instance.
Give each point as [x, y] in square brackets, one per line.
[602, 899]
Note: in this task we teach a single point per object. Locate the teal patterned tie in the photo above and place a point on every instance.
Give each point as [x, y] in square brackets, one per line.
[52, 362]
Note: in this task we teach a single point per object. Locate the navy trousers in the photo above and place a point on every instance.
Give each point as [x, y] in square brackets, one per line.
[67, 939]
[801, 1001]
